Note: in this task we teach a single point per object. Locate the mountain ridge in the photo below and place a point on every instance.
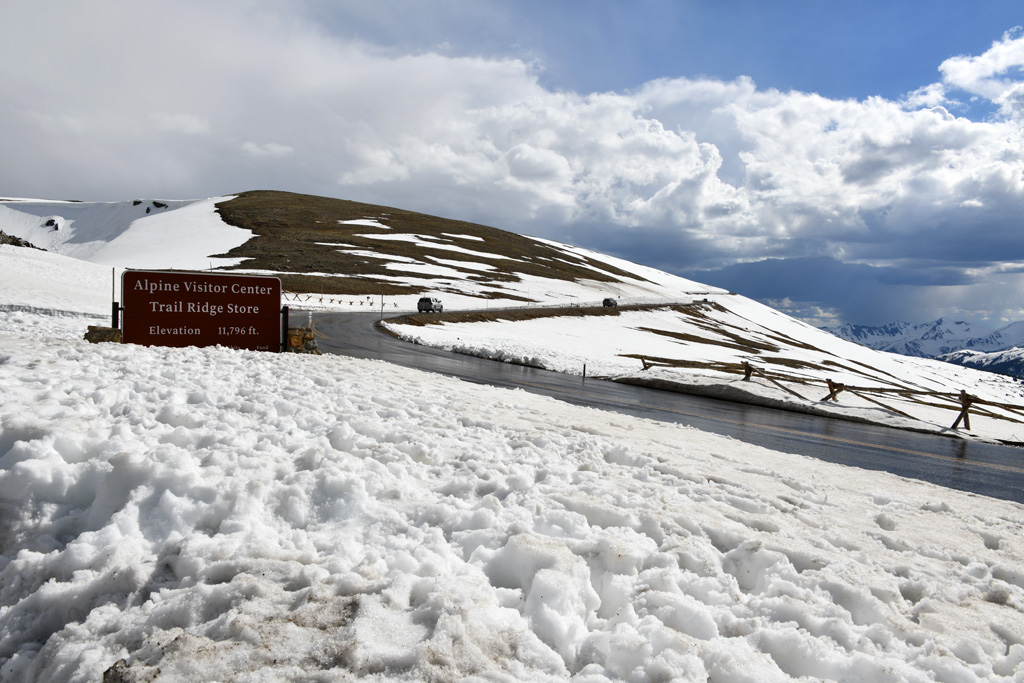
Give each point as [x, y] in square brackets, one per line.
[955, 342]
[328, 246]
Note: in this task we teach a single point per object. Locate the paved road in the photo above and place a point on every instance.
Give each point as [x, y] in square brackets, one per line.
[986, 469]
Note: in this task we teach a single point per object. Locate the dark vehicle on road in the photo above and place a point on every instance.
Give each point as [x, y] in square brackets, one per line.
[609, 302]
[429, 305]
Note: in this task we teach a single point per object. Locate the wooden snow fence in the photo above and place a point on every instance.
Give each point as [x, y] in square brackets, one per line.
[962, 402]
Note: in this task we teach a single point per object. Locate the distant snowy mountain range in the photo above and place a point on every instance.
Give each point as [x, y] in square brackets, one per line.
[954, 342]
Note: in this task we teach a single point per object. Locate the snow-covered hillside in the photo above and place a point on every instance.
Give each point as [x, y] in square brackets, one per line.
[700, 348]
[699, 345]
[211, 514]
[122, 234]
[369, 252]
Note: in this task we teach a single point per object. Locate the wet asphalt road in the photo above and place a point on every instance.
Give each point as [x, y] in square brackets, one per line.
[985, 469]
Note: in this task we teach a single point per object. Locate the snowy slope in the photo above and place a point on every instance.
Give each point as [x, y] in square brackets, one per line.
[123, 234]
[700, 348]
[460, 267]
[34, 279]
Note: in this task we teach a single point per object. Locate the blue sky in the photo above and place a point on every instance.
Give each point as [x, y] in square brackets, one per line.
[846, 162]
[836, 49]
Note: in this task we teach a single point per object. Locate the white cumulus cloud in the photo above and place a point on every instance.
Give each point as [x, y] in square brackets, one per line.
[681, 173]
[994, 75]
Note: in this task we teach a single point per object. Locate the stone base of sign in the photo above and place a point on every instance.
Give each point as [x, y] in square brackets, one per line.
[301, 340]
[97, 334]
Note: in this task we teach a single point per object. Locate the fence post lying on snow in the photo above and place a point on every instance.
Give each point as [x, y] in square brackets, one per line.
[965, 400]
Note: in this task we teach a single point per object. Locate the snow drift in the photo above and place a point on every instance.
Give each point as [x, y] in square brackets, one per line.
[208, 514]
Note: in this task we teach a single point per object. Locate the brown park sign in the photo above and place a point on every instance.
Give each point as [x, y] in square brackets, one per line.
[166, 308]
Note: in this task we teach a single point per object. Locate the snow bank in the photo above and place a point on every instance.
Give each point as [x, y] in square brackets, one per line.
[209, 514]
[50, 295]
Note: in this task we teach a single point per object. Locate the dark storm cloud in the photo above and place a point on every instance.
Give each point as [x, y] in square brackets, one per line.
[832, 292]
